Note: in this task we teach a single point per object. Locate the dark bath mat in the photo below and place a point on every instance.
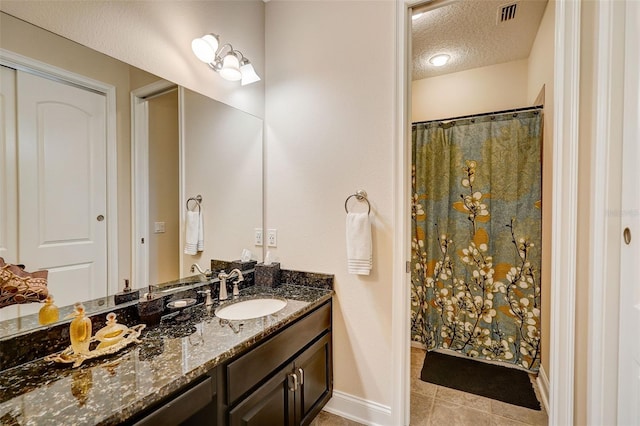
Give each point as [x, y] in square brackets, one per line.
[493, 381]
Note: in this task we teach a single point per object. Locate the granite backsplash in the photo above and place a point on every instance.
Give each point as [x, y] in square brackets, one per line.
[23, 348]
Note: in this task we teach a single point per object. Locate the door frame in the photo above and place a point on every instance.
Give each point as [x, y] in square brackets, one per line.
[564, 213]
[140, 178]
[33, 66]
[604, 285]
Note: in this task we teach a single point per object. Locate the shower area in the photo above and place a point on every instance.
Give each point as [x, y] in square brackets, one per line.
[481, 135]
[476, 236]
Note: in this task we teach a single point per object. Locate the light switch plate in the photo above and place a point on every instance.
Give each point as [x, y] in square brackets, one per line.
[158, 227]
[272, 237]
[258, 237]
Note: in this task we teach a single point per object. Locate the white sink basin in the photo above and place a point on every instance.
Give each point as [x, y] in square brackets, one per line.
[249, 309]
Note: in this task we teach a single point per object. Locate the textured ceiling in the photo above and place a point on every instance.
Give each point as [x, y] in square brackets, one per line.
[470, 32]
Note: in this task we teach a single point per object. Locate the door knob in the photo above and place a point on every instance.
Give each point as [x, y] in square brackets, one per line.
[100, 218]
[626, 234]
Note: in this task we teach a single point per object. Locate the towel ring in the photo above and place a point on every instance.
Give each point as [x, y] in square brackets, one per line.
[197, 199]
[361, 195]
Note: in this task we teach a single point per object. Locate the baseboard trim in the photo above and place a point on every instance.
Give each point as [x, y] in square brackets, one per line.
[543, 386]
[358, 409]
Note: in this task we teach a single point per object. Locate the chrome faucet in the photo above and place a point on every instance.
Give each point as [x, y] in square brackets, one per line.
[208, 273]
[223, 283]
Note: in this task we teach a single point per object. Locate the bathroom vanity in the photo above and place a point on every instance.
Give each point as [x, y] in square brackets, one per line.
[275, 369]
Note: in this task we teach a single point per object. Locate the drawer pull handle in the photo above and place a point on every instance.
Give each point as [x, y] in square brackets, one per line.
[293, 378]
[301, 371]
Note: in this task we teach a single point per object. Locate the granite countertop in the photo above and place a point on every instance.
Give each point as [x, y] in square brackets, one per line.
[110, 390]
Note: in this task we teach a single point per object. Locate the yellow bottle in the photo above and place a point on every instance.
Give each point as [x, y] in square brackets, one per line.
[49, 313]
[80, 331]
[111, 333]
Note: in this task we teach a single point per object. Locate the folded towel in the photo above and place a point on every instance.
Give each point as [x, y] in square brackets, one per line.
[200, 230]
[194, 234]
[359, 248]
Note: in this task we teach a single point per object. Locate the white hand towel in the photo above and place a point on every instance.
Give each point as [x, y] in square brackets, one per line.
[194, 234]
[359, 247]
[200, 230]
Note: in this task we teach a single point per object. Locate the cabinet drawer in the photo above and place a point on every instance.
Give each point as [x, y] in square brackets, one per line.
[180, 408]
[250, 369]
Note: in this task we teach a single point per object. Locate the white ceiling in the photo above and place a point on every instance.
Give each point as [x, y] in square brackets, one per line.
[470, 32]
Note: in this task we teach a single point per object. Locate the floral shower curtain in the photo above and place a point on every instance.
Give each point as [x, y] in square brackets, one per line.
[476, 236]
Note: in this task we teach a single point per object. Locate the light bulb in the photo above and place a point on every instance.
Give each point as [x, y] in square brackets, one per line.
[439, 60]
[205, 47]
[231, 68]
[248, 73]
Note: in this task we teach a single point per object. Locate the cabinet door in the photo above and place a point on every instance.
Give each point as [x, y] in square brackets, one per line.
[272, 404]
[314, 367]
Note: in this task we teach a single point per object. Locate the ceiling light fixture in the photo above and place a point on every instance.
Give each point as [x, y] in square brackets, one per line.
[231, 64]
[439, 60]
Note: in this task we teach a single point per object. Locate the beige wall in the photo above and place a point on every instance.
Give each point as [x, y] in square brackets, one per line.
[223, 163]
[540, 75]
[329, 133]
[164, 181]
[491, 88]
[155, 36]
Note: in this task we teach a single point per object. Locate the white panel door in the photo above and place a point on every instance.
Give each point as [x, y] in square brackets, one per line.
[629, 346]
[62, 187]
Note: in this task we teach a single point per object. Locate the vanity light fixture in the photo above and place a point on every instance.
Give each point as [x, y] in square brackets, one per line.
[439, 60]
[225, 60]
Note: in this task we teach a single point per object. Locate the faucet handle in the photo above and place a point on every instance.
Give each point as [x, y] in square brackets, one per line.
[236, 292]
[207, 292]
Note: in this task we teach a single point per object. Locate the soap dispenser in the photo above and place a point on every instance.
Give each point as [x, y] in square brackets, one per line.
[80, 330]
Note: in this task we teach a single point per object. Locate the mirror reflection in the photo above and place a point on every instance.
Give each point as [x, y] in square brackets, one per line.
[96, 173]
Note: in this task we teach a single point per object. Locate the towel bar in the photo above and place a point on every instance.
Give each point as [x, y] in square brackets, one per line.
[197, 199]
[361, 195]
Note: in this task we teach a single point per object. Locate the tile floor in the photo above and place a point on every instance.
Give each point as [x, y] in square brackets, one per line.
[436, 405]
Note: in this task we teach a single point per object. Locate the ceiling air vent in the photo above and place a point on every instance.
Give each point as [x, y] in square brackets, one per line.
[507, 12]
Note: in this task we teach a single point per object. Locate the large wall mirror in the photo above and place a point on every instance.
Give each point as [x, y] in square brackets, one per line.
[127, 190]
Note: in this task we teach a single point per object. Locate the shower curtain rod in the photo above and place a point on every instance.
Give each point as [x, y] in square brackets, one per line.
[482, 114]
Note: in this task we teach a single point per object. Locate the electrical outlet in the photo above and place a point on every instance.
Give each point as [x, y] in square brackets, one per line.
[272, 237]
[258, 237]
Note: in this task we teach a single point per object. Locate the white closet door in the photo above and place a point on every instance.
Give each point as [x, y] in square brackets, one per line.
[629, 342]
[62, 187]
[8, 176]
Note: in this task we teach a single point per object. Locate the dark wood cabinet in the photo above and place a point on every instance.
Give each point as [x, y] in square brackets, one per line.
[196, 404]
[286, 380]
[314, 369]
[294, 395]
[283, 380]
[273, 403]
